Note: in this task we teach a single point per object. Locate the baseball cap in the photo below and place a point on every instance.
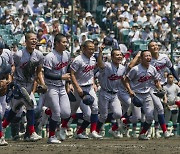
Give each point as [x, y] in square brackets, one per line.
[164, 18]
[41, 20]
[135, 25]
[88, 14]
[126, 4]
[107, 1]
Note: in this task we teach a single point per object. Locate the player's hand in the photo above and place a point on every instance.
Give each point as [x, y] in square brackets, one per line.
[80, 92]
[101, 48]
[131, 93]
[3, 83]
[66, 77]
[95, 87]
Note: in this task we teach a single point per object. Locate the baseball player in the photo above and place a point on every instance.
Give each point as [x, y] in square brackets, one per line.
[55, 73]
[28, 66]
[138, 83]
[110, 77]
[161, 62]
[6, 60]
[171, 109]
[128, 108]
[82, 73]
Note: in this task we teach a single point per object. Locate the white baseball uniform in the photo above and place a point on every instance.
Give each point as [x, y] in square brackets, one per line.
[84, 72]
[56, 97]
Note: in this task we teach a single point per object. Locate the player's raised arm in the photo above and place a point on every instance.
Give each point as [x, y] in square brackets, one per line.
[100, 62]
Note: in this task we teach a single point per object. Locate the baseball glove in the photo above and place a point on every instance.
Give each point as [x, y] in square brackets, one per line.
[41, 89]
[159, 93]
[136, 101]
[87, 98]
[3, 88]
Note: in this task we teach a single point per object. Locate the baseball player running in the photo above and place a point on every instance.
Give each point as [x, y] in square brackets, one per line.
[138, 83]
[6, 70]
[82, 73]
[110, 77]
[171, 109]
[28, 66]
[55, 73]
[160, 62]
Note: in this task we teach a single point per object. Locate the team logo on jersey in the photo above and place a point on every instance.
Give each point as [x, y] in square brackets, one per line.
[115, 77]
[88, 68]
[23, 64]
[144, 78]
[160, 67]
[61, 65]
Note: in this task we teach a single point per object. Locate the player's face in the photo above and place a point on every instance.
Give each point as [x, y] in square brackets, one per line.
[170, 79]
[146, 58]
[89, 50]
[62, 44]
[31, 41]
[153, 47]
[117, 57]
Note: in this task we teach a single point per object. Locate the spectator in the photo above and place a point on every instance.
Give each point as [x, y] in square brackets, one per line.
[16, 27]
[134, 33]
[36, 9]
[147, 34]
[93, 28]
[155, 18]
[142, 18]
[135, 20]
[26, 8]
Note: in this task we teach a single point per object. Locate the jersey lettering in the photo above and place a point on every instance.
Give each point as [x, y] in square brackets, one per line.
[114, 77]
[144, 78]
[61, 65]
[88, 68]
[24, 64]
[160, 67]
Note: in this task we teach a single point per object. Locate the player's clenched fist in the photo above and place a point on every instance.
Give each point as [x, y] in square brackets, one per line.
[66, 77]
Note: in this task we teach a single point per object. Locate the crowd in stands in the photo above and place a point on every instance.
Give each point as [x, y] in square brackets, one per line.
[134, 22]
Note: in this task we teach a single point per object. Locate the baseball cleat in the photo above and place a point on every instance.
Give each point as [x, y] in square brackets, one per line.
[3, 142]
[167, 134]
[34, 137]
[126, 133]
[115, 134]
[62, 134]
[81, 136]
[134, 135]
[157, 134]
[53, 140]
[143, 137]
[149, 133]
[94, 134]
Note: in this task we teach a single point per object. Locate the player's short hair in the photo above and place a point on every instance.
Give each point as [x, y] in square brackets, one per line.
[58, 37]
[87, 42]
[169, 74]
[142, 52]
[27, 35]
[113, 50]
[150, 43]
